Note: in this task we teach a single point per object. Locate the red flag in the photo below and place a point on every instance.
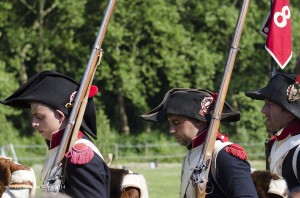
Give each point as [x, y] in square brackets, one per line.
[279, 40]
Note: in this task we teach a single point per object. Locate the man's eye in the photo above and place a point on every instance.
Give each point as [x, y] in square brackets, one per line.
[39, 117]
[175, 122]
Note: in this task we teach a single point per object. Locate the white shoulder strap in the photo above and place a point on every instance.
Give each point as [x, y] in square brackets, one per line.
[295, 156]
[276, 154]
[218, 146]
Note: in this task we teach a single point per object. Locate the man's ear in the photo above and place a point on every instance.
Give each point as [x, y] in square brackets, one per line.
[290, 115]
[197, 123]
[60, 115]
[200, 124]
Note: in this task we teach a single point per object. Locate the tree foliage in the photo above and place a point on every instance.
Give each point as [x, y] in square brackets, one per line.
[150, 47]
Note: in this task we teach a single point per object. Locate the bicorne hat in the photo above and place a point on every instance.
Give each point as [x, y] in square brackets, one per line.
[193, 103]
[57, 91]
[282, 89]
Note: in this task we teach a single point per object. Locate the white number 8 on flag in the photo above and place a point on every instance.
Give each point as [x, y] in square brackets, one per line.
[284, 15]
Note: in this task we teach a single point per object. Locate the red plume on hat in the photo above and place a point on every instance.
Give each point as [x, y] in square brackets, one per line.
[93, 91]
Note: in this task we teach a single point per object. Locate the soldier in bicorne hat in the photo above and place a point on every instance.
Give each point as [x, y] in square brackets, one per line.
[189, 113]
[50, 96]
[282, 112]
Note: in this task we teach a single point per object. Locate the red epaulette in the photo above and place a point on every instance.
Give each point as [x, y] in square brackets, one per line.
[80, 154]
[237, 151]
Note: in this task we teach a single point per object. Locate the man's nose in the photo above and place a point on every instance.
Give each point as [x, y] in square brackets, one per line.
[34, 124]
[263, 109]
[172, 130]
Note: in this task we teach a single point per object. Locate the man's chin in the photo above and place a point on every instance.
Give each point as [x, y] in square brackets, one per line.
[271, 131]
[46, 138]
[268, 126]
[181, 143]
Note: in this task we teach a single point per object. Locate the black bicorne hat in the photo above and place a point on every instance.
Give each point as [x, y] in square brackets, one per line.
[283, 89]
[193, 103]
[55, 90]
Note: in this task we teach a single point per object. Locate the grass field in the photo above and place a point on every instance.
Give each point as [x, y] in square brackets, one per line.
[163, 180]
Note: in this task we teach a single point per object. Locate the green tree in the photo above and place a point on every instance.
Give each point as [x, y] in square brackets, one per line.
[150, 46]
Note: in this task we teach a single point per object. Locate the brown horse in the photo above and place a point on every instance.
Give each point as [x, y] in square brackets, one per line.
[16, 180]
[269, 185]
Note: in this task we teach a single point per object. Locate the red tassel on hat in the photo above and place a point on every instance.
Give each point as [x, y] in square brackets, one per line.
[298, 78]
[215, 96]
[93, 91]
[237, 151]
[80, 154]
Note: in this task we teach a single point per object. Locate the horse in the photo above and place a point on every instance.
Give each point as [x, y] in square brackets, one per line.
[127, 184]
[269, 185]
[16, 180]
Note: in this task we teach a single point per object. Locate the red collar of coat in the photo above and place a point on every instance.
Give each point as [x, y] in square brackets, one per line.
[292, 128]
[57, 136]
[199, 139]
[233, 149]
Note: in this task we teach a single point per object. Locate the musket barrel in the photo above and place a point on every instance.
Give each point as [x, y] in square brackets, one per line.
[208, 146]
[80, 102]
[104, 24]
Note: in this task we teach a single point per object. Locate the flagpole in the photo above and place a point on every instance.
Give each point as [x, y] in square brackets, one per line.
[273, 62]
[277, 28]
[273, 67]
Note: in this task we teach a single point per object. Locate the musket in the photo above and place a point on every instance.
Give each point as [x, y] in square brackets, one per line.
[53, 180]
[201, 172]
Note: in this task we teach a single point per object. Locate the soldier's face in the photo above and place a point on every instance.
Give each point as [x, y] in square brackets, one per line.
[276, 116]
[46, 120]
[184, 129]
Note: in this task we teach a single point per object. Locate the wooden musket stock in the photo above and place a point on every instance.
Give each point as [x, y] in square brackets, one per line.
[81, 99]
[202, 171]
